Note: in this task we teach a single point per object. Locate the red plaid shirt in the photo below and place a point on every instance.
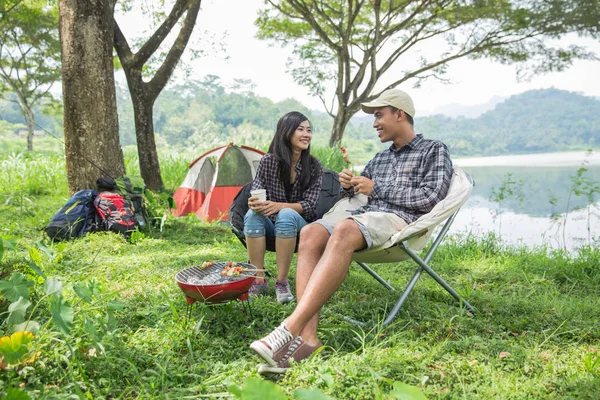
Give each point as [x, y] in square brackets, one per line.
[267, 177]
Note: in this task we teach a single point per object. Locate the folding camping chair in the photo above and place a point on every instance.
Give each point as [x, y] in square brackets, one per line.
[408, 242]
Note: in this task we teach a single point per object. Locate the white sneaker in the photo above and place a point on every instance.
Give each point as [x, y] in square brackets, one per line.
[274, 346]
[283, 292]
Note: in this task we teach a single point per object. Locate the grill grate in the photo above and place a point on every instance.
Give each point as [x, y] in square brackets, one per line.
[211, 275]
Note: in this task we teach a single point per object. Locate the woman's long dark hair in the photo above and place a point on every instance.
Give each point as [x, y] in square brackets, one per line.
[281, 147]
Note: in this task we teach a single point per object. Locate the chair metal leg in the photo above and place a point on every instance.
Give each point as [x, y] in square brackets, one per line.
[422, 263]
[437, 240]
[437, 278]
[402, 299]
[375, 275]
[384, 283]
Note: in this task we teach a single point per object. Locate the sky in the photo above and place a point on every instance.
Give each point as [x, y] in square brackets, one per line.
[472, 82]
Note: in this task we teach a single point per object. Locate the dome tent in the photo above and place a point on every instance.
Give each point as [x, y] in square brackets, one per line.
[213, 181]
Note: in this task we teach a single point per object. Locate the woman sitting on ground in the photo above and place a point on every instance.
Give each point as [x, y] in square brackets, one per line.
[292, 179]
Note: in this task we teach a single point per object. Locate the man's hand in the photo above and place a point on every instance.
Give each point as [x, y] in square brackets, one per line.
[345, 177]
[362, 185]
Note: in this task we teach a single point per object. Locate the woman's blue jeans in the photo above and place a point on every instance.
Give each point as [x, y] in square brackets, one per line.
[287, 224]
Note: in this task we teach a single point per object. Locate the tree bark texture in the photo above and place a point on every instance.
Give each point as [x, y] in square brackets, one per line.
[144, 94]
[30, 118]
[345, 111]
[144, 129]
[27, 113]
[91, 124]
[340, 121]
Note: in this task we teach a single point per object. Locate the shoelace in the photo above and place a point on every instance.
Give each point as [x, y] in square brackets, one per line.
[282, 286]
[278, 338]
[293, 346]
[257, 287]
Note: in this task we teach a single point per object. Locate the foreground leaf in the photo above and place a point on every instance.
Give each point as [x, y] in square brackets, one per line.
[310, 394]
[37, 269]
[27, 326]
[62, 313]
[17, 286]
[7, 243]
[35, 256]
[407, 392]
[83, 291]
[17, 311]
[16, 394]
[258, 389]
[53, 286]
[235, 390]
[89, 326]
[14, 348]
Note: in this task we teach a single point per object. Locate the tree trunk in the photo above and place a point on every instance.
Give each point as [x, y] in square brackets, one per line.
[27, 114]
[30, 118]
[339, 125]
[91, 125]
[143, 95]
[144, 131]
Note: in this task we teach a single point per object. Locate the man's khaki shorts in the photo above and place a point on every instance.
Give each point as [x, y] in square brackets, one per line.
[376, 227]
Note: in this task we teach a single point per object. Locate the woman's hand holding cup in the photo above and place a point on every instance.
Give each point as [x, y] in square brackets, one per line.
[257, 197]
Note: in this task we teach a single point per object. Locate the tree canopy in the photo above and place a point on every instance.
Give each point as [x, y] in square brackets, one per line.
[29, 56]
[354, 48]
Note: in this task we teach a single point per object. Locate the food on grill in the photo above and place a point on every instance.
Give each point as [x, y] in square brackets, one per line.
[232, 269]
[207, 264]
[209, 286]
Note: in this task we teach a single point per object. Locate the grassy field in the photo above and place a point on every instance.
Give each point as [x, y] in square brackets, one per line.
[112, 319]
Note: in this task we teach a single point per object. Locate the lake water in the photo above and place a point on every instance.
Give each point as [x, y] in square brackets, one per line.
[541, 187]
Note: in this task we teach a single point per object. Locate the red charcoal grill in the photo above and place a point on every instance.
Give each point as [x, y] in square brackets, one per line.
[214, 288]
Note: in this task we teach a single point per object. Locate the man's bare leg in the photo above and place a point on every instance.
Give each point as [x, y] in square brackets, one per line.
[283, 256]
[328, 274]
[313, 239]
[256, 252]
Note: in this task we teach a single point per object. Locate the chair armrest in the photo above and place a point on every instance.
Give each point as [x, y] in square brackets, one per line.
[414, 235]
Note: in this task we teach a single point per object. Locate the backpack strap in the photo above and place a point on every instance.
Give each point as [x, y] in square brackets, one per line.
[127, 183]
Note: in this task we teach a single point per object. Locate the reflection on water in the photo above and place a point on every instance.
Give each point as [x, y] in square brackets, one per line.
[530, 230]
[539, 185]
[527, 221]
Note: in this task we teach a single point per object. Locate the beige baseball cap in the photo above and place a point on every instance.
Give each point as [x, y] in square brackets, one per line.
[392, 97]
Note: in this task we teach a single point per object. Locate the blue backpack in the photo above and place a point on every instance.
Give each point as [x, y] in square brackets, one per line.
[74, 218]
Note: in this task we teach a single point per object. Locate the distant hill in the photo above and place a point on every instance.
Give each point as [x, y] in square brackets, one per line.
[531, 122]
[468, 111]
[203, 114]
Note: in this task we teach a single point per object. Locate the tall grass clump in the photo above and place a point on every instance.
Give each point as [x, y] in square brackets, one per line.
[173, 168]
[32, 174]
[173, 165]
[45, 145]
[330, 157]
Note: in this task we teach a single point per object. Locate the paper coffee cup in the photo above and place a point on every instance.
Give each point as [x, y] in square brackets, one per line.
[260, 193]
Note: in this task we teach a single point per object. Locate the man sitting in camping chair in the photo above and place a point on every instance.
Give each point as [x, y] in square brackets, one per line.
[402, 183]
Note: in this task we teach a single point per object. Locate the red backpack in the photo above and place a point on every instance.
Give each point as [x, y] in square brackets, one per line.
[116, 214]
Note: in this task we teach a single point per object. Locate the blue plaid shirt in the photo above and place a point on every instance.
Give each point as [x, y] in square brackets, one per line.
[267, 177]
[409, 181]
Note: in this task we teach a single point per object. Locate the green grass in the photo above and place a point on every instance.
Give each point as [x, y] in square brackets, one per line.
[41, 144]
[132, 340]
